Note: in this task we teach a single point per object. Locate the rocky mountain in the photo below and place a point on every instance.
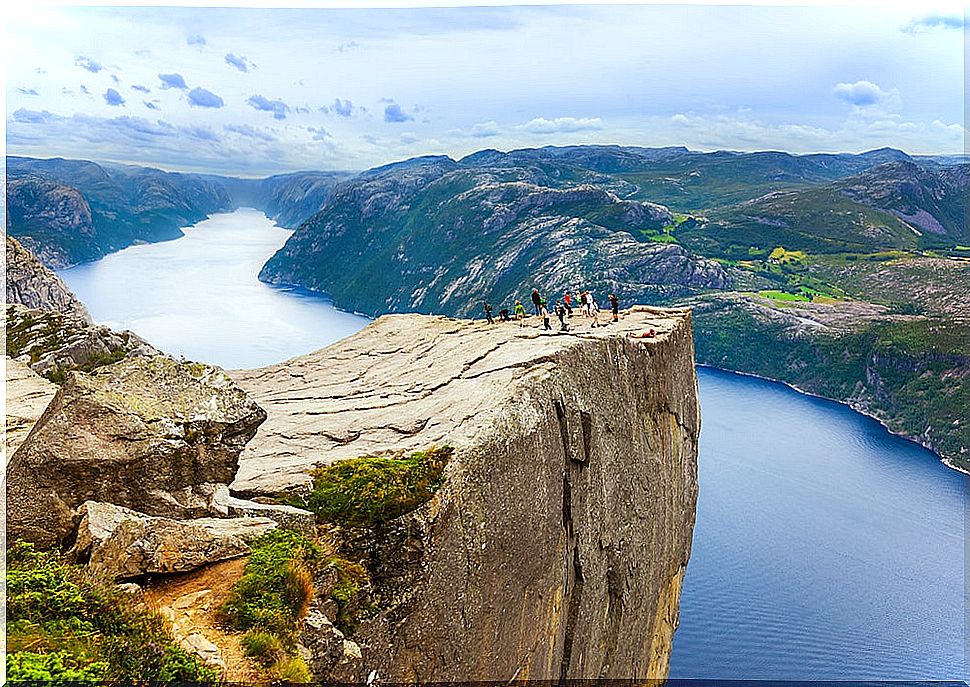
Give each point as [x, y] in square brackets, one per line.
[31, 284]
[563, 492]
[70, 211]
[290, 199]
[567, 499]
[434, 235]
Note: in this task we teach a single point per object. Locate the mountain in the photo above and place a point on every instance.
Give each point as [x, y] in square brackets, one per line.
[290, 199]
[71, 211]
[437, 236]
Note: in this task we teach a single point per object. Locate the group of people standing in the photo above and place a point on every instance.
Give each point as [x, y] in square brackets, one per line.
[563, 309]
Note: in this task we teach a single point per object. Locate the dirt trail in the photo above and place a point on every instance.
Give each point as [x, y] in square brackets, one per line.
[190, 602]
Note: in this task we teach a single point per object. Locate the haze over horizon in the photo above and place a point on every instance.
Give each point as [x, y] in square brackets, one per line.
[255, 92]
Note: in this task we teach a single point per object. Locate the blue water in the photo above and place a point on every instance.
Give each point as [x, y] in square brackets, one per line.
[825, 548]
[198, 296]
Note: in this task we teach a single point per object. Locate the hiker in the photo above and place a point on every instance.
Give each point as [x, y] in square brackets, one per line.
[561, 314]
[544, 311]
[568, 300]
[615, 306]
[503, 315]
[584, 303]
[594, 310]
[488, 311]
[520, 313]
[536, 300]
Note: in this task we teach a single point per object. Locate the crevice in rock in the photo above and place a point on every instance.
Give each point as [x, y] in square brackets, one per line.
[586, 422]
[563, 429]
[574, 574]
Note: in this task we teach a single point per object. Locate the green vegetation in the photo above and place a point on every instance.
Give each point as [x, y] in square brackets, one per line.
[65, 626]
[369, 490]
[909, 373]
[264, 646]
[783, 296]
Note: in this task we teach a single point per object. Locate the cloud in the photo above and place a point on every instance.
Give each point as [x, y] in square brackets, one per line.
[84, 90]
[114, 77]
[92, 66]
[196, 39]
[860, 93]
[346, 47]
[934, 22]
[240, 62]
[150, 105]
[320, 134]
[27, 91]
[680, 118]
[113, 98]
[480, 130]
[200, 97]
[32, 116]
[562, 125]
[250, 132]
[172, 81]
[394, 114]
[277, 107]
[344, 108]
[143, 89]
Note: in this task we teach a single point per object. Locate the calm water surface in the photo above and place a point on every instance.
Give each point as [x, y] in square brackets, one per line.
[825, 548]
[198, 296]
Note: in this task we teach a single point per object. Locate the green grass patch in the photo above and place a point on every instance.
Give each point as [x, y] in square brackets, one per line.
[64, 625]
[783, 296]
[366, 491]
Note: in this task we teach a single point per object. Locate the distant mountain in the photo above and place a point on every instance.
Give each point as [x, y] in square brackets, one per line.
[438, 235]
[71, 211]
[289, 199]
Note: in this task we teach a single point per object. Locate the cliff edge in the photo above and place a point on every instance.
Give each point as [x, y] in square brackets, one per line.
[556, 545]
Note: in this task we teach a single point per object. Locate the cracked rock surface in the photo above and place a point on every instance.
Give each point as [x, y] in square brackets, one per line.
[556, 546]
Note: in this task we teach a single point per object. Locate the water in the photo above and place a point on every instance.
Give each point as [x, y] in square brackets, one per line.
[825, 548]
[199, 296]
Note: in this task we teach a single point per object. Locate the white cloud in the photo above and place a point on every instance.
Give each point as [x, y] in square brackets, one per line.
[861, 93]
[562, 125]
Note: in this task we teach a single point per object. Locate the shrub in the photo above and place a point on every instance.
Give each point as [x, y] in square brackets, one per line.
[263, 646]
[369, 490]
[276, 587]
[63, 621]
[292, 669]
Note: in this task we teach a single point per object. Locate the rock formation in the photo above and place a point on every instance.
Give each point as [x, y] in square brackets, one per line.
[120, 543]
[147, 433]
[27, 395]
[52, 343]
[30, 283]
[557, 544]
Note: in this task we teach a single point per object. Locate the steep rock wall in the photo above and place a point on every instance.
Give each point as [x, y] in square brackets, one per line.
[557, 545]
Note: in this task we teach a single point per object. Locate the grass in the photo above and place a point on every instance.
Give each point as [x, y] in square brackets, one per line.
[783, 296]
[369, 490]
[65, 626]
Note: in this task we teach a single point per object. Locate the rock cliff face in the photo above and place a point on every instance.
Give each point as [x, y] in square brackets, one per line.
[556, 546]
[31, 284]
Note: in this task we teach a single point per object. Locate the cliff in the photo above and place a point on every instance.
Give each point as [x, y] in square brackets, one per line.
[30, 283]
[557, 542]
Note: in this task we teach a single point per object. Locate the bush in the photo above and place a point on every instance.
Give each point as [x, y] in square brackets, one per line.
[277, 585]
[292, 669]
[369, 490]
[61, 621]
[263, 646]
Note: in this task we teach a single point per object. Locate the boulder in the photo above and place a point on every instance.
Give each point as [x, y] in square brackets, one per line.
[330, 656]
[151, 434]
[120, 543]
[28, 395]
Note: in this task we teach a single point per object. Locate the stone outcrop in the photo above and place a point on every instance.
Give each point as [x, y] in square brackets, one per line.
[147, 433]
[52, 343]
[32, 284]
[28, 395]
[556, 546]
[120, 543]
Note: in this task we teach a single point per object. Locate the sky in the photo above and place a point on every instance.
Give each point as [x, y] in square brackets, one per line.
[252, 92]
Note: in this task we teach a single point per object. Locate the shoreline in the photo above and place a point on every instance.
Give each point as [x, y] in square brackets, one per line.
[945, 460]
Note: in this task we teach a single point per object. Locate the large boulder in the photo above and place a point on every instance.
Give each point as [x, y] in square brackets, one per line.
[120, 543]
[28, 395]
[152, 434]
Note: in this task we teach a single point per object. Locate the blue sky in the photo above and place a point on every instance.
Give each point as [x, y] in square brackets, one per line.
[253, 92]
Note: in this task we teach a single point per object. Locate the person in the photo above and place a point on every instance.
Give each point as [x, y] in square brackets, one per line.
[568, 300]
[615, 306]
[594, 310]
[503, 315]
[536, 300]
[584, 303]
[544, 311]
[561, 314]
[488, 311]
[520, 313]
